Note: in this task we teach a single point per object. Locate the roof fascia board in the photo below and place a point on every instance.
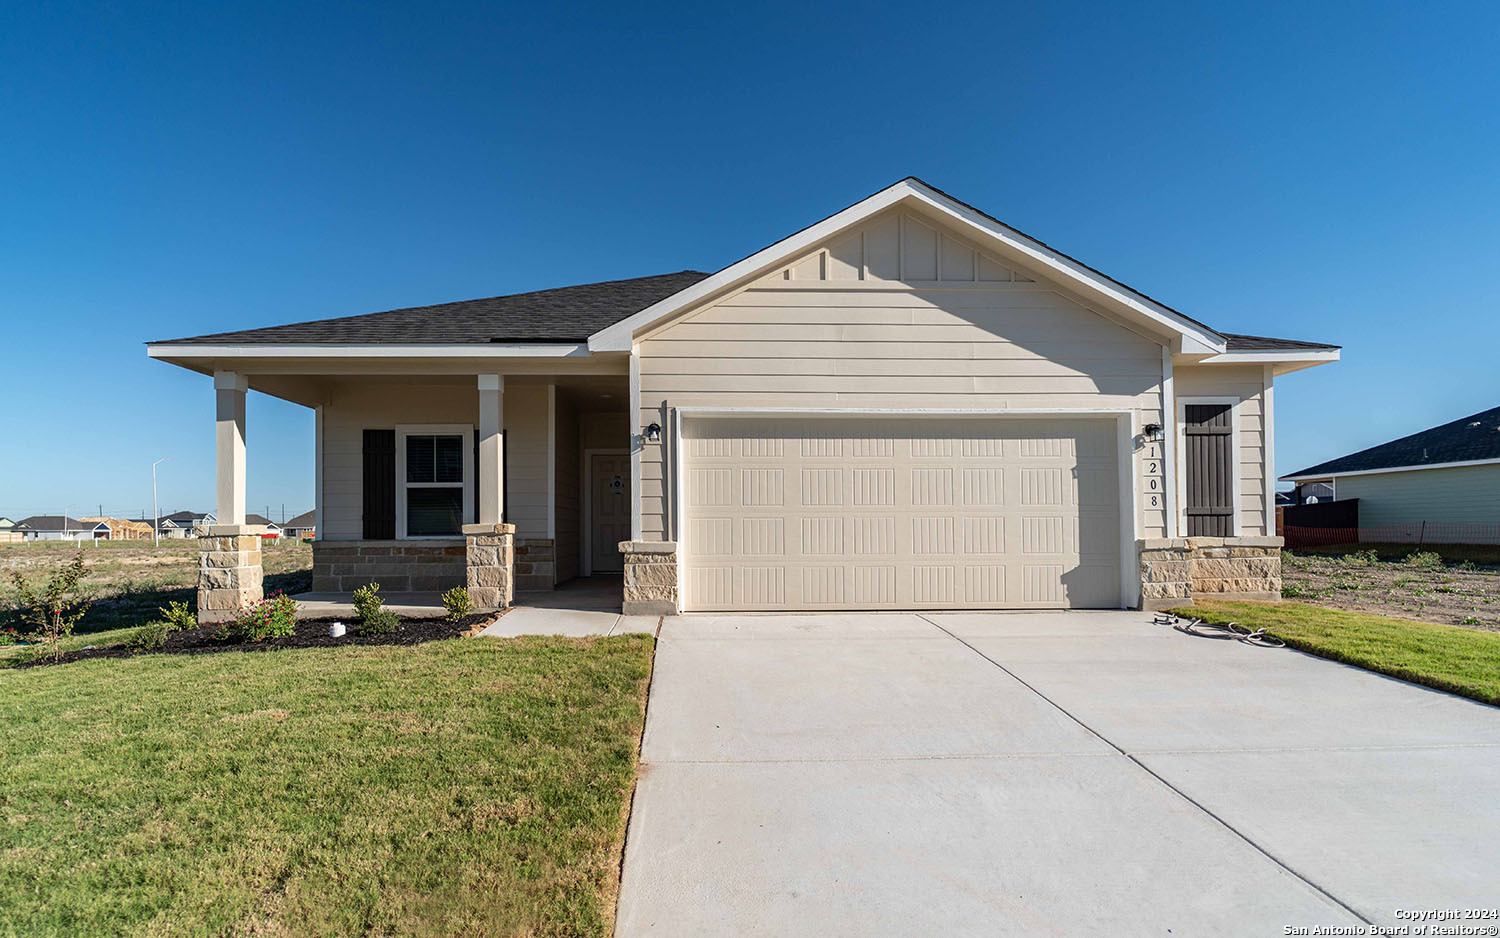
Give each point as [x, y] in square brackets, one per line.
[1270, 357]
[324, 350]
[1317, 476]
[620, 336]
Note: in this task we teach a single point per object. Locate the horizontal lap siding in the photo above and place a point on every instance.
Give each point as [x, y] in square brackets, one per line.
[1461, 495]
[1247, 384]
[900, 349]
[353, 406]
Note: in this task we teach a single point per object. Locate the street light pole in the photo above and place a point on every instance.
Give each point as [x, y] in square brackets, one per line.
[155, 511]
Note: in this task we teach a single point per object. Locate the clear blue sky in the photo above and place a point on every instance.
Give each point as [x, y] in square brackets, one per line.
[1316, 171]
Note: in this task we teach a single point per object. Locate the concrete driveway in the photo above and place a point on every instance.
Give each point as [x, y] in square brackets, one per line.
[1043, 774]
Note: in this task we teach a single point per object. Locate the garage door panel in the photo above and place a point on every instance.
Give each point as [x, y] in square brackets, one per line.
[849, 513]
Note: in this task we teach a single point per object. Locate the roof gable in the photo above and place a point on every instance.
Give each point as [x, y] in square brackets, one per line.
[1475, 438]
[992, 238]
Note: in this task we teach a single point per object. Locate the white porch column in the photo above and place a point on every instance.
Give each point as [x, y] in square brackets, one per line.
[229, 401]
[491, 449]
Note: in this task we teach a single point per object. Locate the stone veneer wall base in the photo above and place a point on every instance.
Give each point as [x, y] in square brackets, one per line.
[490, 561]
[1176, 570]
[398, 566]
[536, 563]
[230, 576]
[650, 578]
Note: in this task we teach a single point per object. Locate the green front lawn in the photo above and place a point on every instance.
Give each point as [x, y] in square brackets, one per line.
[1463, 661]
[466, 787]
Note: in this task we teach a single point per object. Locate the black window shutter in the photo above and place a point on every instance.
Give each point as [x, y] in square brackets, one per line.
[380, 485]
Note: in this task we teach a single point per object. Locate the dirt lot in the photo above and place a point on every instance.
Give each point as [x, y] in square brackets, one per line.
[1421, 586]
[130, 579]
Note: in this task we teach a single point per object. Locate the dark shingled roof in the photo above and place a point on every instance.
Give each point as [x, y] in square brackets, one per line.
[563, 314]
[1259, 343]
[1474, 437]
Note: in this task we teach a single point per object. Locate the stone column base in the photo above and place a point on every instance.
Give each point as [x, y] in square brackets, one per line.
[650, 578]
[1175, 570]
[490, 558]
[230, 576]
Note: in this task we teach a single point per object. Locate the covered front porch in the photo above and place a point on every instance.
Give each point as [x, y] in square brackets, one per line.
[434, 474]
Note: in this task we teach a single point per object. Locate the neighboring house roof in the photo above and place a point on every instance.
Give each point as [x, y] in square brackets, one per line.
[603, 315]
[1468, 440]
[57, 523]
[564, 314]
[178, 517]
[305, 520]
[252, 518]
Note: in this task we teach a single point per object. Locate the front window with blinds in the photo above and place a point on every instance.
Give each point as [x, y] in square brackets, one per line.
[434, 482]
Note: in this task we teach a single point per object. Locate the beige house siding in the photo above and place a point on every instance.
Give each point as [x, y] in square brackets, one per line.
[1003, 345]
[1246, 383]
[355, 405]
[1460, 495]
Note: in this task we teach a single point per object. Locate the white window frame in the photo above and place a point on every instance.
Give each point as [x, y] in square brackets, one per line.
[467, 484]
[1235, 470]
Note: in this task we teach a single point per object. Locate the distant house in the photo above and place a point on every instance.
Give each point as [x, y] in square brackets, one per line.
[63, 528]
[301, 526]
[122, 530]
[273, 530]
[185, 523]
[1449, 474]
[11, 532]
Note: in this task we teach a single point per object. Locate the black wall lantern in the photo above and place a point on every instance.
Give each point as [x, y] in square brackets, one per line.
[1152, 432]
[653, 433]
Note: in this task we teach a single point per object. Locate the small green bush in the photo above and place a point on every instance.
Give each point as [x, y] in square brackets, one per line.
[1360, 558]
[458, 603]
[178, 616]
[1423, 558]
[380, 622]
[152, 636]
[270, 618]
[367, 601]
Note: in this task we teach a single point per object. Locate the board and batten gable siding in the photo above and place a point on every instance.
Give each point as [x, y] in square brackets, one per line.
[832, 332]
[1245, 383]
[1458, 495]
[354, 406]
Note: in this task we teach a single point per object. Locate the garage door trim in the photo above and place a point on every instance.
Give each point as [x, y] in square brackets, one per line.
[1127, 432]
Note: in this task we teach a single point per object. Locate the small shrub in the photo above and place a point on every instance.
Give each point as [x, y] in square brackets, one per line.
[54, 611]
[152, 636]
[1293, 589]
[1425, 559]
[380, 622]
[1471, 620]
[367, 601]
[9, 637]
[1360, 558]
[458, 603]
[178, 616]
[270, 618]
[1467, 566]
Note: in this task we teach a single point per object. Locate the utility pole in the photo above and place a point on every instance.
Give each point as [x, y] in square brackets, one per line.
[155, 511]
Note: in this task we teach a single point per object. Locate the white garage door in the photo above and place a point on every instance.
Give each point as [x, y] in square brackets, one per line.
[871, 513]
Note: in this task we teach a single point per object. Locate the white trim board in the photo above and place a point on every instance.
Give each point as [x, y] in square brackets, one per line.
[1236, 472]
[1129, 481]
[989, 234]
[1319, 476]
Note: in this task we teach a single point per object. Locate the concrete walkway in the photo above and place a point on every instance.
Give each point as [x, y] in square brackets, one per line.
[1047, 774]
[585, 606]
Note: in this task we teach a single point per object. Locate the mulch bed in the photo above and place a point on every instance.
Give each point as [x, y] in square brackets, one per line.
[310, 633]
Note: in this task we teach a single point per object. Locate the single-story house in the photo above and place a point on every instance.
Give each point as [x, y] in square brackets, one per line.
[269, 528]
[1448, 474]
[63, 528]
[11, 532]
[905, 405]
[121, 529]
[301, 526]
